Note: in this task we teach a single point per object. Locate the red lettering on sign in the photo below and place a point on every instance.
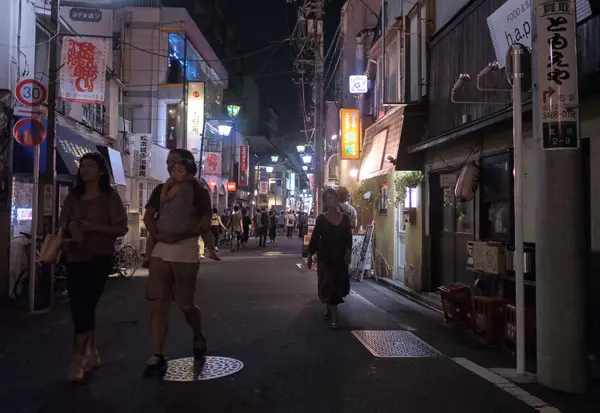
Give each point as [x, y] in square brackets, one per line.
[81, 59]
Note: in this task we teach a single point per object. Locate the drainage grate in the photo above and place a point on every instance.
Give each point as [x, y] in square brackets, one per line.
[395, 344]
[213, 368]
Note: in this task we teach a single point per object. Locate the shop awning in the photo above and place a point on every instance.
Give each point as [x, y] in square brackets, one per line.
[386, 142]
[70, 146]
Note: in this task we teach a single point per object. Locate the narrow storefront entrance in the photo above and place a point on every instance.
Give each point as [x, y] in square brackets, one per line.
[452, 225]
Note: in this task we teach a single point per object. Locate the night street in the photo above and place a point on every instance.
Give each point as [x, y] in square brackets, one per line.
[259, 308]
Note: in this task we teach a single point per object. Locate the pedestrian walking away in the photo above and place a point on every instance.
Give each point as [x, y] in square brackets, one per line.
[263, 227]
[246, 222]
[290, 223]
[281, 223]
[92, 218]
[174, 260]
[331, 240]
[273, 225]
[216, 226]
[236, 228]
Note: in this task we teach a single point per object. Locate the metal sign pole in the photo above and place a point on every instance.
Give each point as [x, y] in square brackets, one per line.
[33, 264]
[516, 52]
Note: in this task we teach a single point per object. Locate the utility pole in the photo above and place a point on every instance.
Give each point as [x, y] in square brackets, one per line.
[47, 187]
[319, 129]
[560, 269]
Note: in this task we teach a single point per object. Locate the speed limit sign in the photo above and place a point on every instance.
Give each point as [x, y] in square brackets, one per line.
[31, 92]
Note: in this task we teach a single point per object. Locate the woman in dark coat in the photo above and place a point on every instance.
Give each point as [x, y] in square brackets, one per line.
[331, 240]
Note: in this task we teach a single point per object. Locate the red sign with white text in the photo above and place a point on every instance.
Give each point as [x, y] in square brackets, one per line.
[244, 168]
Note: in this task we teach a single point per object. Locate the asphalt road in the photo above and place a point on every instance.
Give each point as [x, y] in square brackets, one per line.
[260, 308]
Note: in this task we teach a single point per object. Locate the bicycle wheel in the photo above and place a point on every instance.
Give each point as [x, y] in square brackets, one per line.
[128, 261]
[21, 287]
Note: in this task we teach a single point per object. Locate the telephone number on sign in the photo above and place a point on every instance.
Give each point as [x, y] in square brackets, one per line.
[564, 114]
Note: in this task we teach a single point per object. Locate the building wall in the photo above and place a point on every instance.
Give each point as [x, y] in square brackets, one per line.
[465, 46]
[9, 31]
[385, 225]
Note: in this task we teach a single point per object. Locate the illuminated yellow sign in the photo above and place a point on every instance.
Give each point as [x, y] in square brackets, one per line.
[350, 133]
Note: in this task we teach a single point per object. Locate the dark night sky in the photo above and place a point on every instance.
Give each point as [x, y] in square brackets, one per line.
[258, 23]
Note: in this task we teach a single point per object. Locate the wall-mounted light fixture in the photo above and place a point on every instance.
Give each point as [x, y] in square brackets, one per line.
[274, 158]
[460, 82]
[490, 68]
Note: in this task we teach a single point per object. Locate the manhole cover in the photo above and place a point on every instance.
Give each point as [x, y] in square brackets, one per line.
[395, 344]
[214, 368]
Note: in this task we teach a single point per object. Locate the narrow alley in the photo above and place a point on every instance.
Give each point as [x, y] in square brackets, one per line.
[262, 316]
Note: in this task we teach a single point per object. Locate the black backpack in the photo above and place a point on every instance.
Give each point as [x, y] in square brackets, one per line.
[264, 219]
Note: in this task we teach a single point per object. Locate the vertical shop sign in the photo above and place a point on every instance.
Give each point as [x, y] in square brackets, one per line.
[83, 69]
[349, 123]
[195, 119]
[557, 72]
[263, 188]
[141, 154]
[244, 169]
[212, 164]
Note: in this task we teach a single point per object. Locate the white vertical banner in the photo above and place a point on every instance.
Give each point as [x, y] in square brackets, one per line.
[83, 69]
[195, 118]
[141, 154]
[557, 74]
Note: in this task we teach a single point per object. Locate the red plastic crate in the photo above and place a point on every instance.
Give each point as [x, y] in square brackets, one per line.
[510, 327]
[456, 302]
[487, 318]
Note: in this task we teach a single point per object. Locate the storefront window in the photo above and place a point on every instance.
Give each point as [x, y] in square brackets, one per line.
[464, 217]
[496, 198]
[21, 216]
[174, 125]
[448, 210]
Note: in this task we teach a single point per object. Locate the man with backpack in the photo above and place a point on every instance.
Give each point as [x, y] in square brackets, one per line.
[263, 227]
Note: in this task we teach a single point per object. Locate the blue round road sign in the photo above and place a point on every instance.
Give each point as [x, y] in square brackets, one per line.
[29, 132]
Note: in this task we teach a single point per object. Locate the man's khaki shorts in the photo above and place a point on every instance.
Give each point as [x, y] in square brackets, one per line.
[172, 281]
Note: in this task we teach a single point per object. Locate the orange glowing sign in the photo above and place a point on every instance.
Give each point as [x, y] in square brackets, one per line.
[350, 133]
[231, 186]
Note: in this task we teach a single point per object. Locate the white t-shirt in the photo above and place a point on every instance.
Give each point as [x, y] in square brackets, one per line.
[183, 251]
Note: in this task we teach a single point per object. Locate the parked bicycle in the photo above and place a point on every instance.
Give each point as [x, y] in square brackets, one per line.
[126, 259]
[125, 263]
[20, 288]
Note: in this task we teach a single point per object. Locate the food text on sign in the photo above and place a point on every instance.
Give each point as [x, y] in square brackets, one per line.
[81, 59]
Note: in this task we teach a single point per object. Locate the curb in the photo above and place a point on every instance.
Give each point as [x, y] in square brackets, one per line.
[408, 293]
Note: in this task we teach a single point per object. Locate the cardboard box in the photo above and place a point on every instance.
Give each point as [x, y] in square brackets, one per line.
[495, 258]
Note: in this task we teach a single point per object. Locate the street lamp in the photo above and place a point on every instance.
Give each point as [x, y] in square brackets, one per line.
[334, 137]
[269, 169]
[353, 173]
[300, 148]
[306, 158]
[304, 168]
[274, 158]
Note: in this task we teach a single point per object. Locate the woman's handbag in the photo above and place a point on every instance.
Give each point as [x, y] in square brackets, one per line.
[51, 248]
